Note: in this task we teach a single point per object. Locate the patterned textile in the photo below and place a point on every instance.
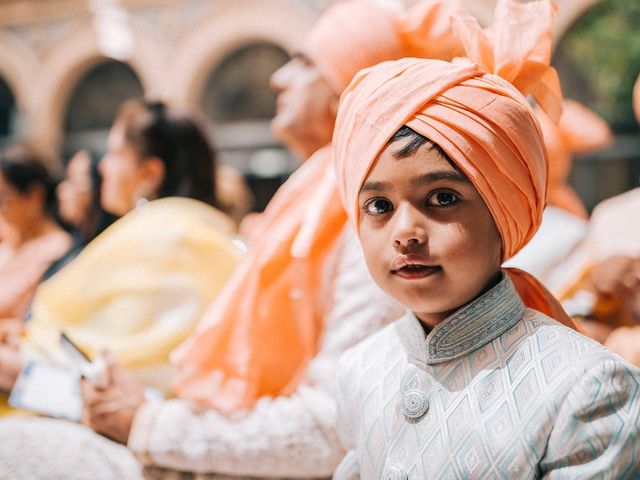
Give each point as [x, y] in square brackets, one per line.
[495, 391]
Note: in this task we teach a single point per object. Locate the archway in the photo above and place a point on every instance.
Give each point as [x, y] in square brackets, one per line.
[94, 102]
[239, 103]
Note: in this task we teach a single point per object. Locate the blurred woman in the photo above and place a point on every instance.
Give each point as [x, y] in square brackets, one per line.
[31, 238]
[79, 205]
[139, 288]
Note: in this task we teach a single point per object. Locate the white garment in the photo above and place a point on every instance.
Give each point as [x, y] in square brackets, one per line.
[615, 227]
[496, 391]
[42, 448]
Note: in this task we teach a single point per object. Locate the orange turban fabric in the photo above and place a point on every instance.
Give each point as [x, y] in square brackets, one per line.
[355, 34]
[483, 123]
[580, 131]
[265, 326]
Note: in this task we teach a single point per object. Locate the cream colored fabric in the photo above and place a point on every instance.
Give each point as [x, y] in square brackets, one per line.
[140, 288]
[615, 227]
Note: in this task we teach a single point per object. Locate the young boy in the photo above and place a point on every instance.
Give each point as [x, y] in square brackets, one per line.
[442, 170]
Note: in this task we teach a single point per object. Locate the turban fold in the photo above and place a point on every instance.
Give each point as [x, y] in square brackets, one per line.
[480, 120]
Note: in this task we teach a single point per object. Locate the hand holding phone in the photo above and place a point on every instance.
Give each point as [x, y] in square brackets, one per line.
[95, 371]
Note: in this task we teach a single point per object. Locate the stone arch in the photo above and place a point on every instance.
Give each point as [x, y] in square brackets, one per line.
[228, 26]
[18, 66]
[70, 60]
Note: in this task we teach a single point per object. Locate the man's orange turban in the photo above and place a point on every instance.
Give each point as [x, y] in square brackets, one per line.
[355, 34]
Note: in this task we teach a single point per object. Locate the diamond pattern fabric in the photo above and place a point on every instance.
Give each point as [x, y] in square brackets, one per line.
[511, 393]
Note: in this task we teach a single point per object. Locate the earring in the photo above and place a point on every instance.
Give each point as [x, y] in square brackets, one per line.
[140, 202]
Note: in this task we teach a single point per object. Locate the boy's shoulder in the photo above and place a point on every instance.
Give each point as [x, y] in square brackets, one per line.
[558, 343]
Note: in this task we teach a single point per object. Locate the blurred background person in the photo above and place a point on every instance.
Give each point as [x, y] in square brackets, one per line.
[139, 288]
[606, 295]
[31, 238]
[79, 205]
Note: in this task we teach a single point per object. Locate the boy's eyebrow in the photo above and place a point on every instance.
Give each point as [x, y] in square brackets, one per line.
[376, 187]
[431, 177]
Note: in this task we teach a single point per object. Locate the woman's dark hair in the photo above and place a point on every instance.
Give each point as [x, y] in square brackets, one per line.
[179, 141]
[24, 169]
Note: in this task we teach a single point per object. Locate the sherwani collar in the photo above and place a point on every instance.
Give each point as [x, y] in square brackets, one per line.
[468, 329]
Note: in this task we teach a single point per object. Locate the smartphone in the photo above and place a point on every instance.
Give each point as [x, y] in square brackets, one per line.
[49, 390]
[74, 352]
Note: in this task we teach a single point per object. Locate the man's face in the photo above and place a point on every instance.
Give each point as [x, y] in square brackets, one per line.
[428, 237]
[306, 107]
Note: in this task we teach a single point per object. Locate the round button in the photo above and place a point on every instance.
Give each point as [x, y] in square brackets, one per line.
[415, 404]
[394, 473]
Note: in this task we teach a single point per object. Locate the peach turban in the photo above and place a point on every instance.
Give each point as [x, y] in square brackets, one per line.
[259, 335]
[580, 130]
[355, 34]
[483, 123]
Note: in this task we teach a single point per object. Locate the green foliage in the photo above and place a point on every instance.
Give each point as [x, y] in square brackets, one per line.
[599, 60]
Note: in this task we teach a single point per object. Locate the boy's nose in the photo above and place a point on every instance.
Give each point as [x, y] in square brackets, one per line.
[409, 228]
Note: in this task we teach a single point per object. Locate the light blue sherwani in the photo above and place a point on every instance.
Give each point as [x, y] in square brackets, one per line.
[496, 391]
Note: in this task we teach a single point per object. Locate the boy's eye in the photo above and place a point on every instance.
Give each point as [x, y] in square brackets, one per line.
[378, 206]
[442, 199]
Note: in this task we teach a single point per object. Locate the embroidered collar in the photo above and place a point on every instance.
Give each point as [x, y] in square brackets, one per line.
[466, 330]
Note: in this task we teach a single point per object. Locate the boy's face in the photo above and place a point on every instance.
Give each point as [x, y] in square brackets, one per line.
[428, 237]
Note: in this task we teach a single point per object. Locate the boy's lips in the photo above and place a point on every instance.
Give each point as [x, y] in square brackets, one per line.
[413, 267]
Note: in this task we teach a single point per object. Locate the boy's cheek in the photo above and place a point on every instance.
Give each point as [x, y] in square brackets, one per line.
[377, 256]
